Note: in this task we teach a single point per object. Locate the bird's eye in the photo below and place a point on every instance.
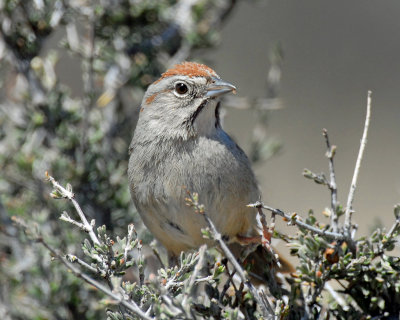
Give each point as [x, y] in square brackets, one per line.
[181, 88]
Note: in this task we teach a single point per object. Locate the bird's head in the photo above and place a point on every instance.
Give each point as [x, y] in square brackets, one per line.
[184, 102]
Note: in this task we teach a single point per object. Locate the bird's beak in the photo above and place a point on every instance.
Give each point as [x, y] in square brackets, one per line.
[219, 87]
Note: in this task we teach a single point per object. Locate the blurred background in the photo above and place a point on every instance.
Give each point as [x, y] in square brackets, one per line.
[72, 75]
[334, 52]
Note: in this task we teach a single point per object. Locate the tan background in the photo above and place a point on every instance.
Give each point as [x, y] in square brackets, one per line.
[334, 52]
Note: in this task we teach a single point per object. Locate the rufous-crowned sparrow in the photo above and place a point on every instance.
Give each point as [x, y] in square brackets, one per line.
[179, 145]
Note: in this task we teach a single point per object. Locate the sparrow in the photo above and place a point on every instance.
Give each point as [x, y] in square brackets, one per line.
[179, 145]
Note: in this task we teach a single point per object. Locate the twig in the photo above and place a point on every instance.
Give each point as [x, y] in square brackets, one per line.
[225, 288]
[65, 217]
[392, 230]
[335, 295]
[330, 153]
[265, 299]
[349, 206]
[192, 280]
[74, 259]
[239, 298]
[318, 289]
[67, 193]
[230, 280]
[204, 279]
[397, 222]
[295, 219]
[306, 294]
[157, 254]
[131, 230]
[132, 306]
[243, 276]
[184, 268]
[265, 310]
[267, 232]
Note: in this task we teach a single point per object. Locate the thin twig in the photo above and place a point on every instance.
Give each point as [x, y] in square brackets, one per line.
[131, 305]
[267, 232]
[295, 219]
[349, 206]
[228, 281]
[265, 299]
[74, 259]
[131, 231]
[173, 282]
[335, 295]
[65, 217]
[243, 276]
[266, 311]
[189, 286]
[330, 153]
[391, 232]
[239, 298]
[157, 254]
[71, 196]
[306, 294]
[397, 222]
[205, 279]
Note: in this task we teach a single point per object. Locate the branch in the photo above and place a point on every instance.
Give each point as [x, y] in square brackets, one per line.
[267, 232]
[336, 296]
[192, 280]
[74, 259]
[295, 219]
[392, 231]
[132, 306]
[67, 193]
[266, 311]
[396, 225]
[173, 281]
[330, 153]
[131, 232]
[65, 217]
[349, 206]
[243, 276]
[157, 254]
[228, 281]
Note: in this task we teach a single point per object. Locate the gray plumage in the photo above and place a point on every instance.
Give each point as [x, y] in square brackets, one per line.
[179, 143]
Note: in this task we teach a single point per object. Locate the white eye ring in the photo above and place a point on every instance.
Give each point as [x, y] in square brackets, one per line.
[181, 89]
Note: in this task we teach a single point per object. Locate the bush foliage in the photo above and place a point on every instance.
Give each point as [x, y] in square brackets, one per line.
[101, 267]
